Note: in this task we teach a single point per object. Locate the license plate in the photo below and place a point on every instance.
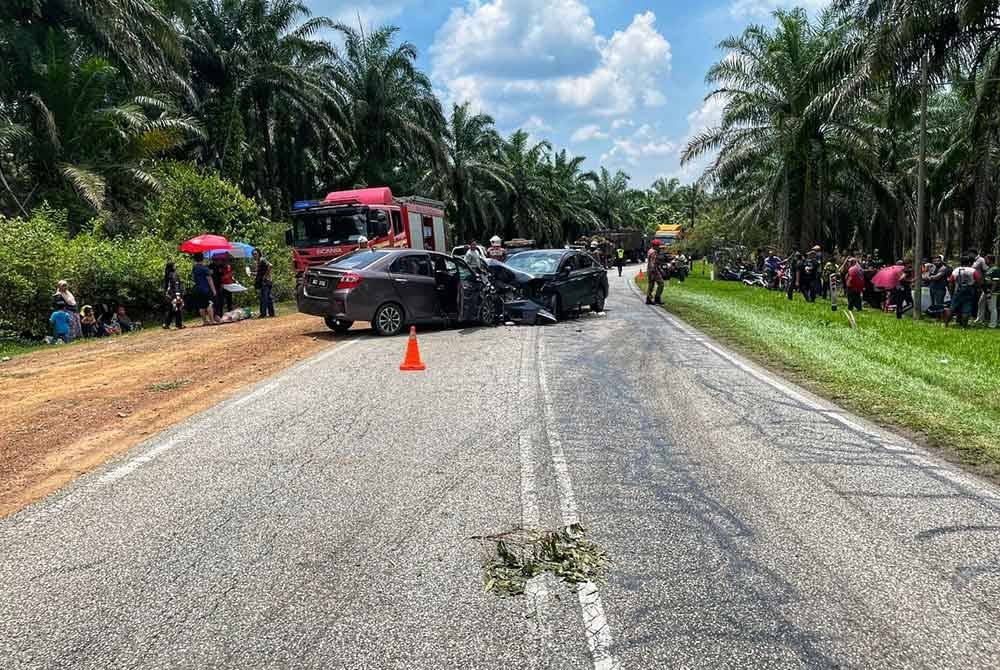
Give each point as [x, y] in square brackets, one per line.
[318, 282]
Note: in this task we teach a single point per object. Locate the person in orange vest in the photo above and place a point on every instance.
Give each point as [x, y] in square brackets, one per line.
[654, 276]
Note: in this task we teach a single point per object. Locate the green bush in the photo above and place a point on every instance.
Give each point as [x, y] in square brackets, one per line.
[196, 201]
[36, 253]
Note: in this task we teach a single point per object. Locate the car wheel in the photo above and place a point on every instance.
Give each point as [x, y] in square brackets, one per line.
[388, 320]
[338, 325]
[488, 312]
[598, 304]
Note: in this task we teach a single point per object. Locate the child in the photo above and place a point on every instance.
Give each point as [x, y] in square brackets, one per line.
[61, 321]
[91, 326]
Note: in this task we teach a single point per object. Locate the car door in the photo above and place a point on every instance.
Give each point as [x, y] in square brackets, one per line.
[586, 278]
[566, 282]
[413, 278]
[470, 294]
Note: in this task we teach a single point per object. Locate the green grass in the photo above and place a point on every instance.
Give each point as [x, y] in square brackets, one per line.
[941, 383]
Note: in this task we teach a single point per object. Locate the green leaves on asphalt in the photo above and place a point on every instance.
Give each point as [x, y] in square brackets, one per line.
[520, 554]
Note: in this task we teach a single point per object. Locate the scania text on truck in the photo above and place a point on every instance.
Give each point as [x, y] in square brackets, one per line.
[323, 230]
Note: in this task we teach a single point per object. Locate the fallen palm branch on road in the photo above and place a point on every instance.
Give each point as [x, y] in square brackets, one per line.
[518, 555]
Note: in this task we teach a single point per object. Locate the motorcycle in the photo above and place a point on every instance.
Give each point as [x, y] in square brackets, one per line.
[754, 279]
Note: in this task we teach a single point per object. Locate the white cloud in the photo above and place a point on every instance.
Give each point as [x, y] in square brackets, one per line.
[741, 9]
[618, 124]
[520, 57]
[642, 145]
[588, 133]
[351, 13]
[633, 62]
[707, 116]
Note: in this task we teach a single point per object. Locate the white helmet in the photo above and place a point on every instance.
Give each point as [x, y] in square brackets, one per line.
[593, 244]
[495, 240]
[362, 241]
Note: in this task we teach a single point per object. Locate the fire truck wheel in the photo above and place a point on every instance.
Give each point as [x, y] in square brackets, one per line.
[338, 325]
[388, 320]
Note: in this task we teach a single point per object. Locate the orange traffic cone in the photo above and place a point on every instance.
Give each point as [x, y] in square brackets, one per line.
[641, 276]
[411, 362]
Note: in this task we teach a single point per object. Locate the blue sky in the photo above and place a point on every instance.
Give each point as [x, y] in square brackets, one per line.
[619, 81]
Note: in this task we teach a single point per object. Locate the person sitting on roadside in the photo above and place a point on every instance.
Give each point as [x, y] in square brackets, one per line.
[89, 323]
[61, 321]
[125, 323]
[965, 281]
[204, 290]
[63, 297]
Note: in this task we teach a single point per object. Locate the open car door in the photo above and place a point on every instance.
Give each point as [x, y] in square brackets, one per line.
[470, 292]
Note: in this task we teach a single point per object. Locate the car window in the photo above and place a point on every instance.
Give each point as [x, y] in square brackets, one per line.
[584, 261]
[397, 222]
[568, 264]
[358, 259]
[413, 264]
[464, 272]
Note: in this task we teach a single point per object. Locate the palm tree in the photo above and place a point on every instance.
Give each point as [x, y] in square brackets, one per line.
[528, 210]
[611, 198]
[392, 114]
[257, 70]
[568, 194]
[472, 182]
[90, 138]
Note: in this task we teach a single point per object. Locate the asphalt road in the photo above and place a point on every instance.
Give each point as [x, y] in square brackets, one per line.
[322, 520]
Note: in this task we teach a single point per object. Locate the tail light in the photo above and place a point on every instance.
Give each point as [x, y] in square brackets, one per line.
[349, 280]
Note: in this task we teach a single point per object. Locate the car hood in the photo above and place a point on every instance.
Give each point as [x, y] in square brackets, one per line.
[508, 275]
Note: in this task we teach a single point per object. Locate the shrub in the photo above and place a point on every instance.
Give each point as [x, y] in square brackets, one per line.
[36, 253]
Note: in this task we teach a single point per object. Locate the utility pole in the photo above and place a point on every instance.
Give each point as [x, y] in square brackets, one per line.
[918, 248]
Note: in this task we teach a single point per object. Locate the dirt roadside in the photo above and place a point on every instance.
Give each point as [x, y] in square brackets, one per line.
[64, 411]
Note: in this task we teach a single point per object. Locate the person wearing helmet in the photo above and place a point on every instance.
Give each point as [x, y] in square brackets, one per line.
[654, 276]
[496, 250]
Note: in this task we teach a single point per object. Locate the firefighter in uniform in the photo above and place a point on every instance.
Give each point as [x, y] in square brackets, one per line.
[654, 275]
[496, 250]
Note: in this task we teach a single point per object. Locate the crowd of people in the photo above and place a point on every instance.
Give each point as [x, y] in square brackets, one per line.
[211, 296]
[966, 291]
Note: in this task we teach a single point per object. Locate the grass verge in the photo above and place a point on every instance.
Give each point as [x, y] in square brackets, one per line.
[942, 385]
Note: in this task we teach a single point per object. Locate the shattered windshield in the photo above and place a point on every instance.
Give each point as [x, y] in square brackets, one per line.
[536, 262]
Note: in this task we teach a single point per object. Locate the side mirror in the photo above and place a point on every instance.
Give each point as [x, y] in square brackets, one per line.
[289, 237]
[564, 271]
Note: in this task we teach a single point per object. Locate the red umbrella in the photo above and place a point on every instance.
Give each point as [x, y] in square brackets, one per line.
[204, 243]
[888, 278]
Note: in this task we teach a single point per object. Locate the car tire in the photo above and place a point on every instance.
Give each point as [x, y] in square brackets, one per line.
[389, 320]
[338, 325]
[598, 304]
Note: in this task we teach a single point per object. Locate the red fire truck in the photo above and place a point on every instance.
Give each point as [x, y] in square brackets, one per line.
[326, 229]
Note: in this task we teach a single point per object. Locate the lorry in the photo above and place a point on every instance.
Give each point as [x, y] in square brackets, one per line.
[629, 240]
[343, 221]
[668, 235]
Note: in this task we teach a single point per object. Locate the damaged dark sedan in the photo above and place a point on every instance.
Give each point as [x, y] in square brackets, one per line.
[559, 280]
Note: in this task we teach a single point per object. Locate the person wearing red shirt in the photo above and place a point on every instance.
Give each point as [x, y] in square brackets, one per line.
[855, 284]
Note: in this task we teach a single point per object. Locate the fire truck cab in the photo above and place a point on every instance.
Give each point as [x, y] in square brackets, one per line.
[323, 230]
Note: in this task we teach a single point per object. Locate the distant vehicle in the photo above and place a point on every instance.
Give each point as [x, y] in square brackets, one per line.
[668, 235]
[629, 240]
[323, 230]
[563, 280]
[392, 288]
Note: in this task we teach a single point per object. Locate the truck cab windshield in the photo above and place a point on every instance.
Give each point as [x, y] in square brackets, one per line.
[330, 227]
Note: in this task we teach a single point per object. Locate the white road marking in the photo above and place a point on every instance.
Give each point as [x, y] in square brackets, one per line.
[889, 443]
[595, 623]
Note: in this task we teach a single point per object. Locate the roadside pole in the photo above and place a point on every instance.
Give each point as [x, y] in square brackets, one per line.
[918, 247]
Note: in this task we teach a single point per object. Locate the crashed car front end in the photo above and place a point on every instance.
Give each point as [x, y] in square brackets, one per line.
[524, 296]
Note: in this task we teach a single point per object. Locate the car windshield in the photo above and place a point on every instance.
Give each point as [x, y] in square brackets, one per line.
[358, 259]
[536, 262]
[329, 227]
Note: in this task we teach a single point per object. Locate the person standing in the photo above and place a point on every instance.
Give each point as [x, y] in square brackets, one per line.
[904, 289]
[855, 284]
[991, 286]
[794, 263]
[474, 258]
[263, 282]
[810, 276]
[965, 280]
[496, 250]
[174, 310]
[620, 259]
[204, 291]
[937, 281]
[654, 275]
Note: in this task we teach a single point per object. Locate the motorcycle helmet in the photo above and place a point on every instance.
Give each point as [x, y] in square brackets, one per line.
[495, 240]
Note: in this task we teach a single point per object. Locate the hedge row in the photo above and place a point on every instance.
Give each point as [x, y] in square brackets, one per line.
[36, 252]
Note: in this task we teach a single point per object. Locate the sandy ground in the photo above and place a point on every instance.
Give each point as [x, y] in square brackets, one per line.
[63, 411]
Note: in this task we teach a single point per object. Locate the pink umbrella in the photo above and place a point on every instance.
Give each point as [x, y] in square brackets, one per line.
[888, 278]
[204, 243]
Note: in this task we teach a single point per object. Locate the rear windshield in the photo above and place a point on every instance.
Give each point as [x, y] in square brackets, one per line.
[358, 259]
